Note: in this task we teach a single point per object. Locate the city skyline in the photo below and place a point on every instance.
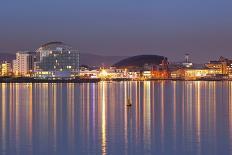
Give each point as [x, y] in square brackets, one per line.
[123, 77]
[121, 27]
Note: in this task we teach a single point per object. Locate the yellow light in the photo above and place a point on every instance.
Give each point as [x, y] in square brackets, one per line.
[198, 74]
[103, 73]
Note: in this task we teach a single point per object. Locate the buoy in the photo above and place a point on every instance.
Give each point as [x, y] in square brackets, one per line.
[129, 104]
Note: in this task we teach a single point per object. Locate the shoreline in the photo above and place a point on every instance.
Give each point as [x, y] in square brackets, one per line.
[86, 80]
[32, 80]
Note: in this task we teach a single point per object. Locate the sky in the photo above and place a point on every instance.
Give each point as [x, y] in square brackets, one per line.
[202, 28]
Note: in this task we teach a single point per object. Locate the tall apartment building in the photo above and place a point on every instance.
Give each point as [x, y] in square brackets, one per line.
[5, 68]
[23, 64]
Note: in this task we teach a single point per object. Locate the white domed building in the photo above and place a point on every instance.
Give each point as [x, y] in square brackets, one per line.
[56, 58]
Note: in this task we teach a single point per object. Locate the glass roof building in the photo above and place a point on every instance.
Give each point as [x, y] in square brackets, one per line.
[57, 56]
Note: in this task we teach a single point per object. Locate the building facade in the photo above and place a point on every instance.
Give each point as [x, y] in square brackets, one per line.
[223, 64]
[6, 68]
[23, 65]
[57, 56]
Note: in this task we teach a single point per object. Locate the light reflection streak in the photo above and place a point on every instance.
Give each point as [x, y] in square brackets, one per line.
[147, 115]
[4, 117]
[162, 116]
[54, 96]
[83, 107]
[137, 113]
[189, 106]
[138, 103]
[126, 98]
[104, 146]
[94, 98]
[12, 111]
[17, 130]
[30, 115]
[183, 110]
[212, 109]
[87, 116]
[230, 110]
[45, 108]
[174, 113]
[198, 123]
[70, 112]
[111, 106]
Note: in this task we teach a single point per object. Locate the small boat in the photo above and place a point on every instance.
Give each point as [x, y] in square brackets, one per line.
[129, 104]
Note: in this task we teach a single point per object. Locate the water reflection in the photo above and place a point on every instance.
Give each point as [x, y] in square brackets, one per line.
[166, 117]
[103, 117]
[3, 133]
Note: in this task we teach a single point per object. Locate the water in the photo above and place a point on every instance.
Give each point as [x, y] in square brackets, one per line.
[179, 118]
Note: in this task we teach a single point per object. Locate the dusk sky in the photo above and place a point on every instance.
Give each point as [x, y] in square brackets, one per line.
[171, 28]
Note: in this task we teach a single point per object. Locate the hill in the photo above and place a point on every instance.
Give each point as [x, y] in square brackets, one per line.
[140, 61]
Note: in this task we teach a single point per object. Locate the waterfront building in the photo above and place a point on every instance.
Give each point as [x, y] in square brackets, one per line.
[112, 72]
[161, 71]
[53, 74]
[177, 74]
[213, 69]
[160, 74]
[89, 73]
[147, 74]
[57, 56]
[15, 67]
[195, 73]
[223, 64]
[6, 68]
[133, 75]
[109, 73]
[23, 65]
[187, 63]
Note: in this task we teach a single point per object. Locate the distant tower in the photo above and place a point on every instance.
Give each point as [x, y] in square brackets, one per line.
[187, 58]
[165, 64]
[187, 62]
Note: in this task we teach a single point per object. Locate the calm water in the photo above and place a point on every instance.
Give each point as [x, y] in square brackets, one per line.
[166, 118]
